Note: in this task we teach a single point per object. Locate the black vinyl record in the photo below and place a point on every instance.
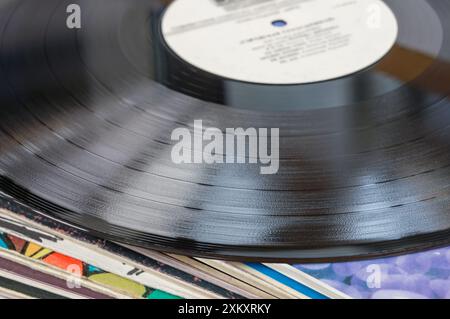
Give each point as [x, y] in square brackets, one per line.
[87, 115]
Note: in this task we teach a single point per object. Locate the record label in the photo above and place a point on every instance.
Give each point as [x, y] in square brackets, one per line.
[280, 41]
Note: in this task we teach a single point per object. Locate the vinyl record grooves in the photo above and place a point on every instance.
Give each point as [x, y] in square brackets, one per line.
[87, 117]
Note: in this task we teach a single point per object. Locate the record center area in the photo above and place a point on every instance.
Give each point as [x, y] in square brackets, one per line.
[269, 42]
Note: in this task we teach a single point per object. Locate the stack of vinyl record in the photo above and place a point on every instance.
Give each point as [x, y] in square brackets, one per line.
[224, 149]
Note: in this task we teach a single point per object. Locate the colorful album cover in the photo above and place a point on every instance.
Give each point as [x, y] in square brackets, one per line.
[416, 276]
[77, 268]
[113, 258]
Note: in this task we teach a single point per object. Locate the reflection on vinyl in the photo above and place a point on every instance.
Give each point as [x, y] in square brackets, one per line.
[87, 116]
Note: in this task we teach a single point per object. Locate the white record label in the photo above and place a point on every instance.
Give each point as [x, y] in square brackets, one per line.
[280, 41]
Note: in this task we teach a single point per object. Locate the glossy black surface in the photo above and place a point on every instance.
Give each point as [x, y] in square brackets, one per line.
[86, 119]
